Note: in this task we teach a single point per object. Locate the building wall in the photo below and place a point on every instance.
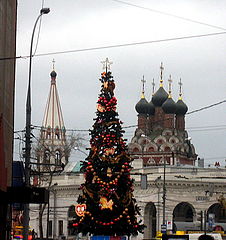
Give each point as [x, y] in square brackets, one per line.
[7, 79]
[183, 185]
[8, 13]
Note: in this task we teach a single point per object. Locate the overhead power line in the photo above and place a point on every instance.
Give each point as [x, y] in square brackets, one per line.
[169, 14]
[209, 106]
[118, 45]
[132, 126]
[202, 128]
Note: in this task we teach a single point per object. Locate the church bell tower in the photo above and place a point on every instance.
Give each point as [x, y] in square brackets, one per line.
[51, 153]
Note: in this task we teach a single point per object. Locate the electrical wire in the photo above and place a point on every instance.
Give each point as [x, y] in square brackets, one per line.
[169, 14]
[132, 44]
[209, 106]
[117, 45]
[212, 126]
[132, 126]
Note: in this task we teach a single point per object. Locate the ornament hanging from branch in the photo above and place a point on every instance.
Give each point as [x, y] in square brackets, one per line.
[80, 209]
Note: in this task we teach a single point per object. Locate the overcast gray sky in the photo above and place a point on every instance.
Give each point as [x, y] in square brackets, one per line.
[81, 24]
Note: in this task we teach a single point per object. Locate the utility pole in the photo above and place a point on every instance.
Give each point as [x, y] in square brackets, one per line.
[54, 214]
[205, 220]
[28, 131]
[164, 192]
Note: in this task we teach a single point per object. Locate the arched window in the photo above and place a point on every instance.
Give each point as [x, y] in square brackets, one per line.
[151, 149]
[48, 132]
[135, 150]
[57, 132]
[57, 157]
[47, 156]
[218, 211]
[167, 149]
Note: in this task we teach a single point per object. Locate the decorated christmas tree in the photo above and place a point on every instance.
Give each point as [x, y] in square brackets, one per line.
[106, 205]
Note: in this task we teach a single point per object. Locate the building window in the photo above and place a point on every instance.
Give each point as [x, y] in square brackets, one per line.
[135, 150]
[57, 132]
[47, 156]
[61, 229]
[167, 149]
[57, 157]
[50, 232]
[151, 149]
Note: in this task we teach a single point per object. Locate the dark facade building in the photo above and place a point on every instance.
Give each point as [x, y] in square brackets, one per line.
[8, 13]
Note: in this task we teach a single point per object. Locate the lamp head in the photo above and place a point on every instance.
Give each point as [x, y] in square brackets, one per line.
[44, 11]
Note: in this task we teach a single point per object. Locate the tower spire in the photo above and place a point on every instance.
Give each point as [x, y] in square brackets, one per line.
[53, 117]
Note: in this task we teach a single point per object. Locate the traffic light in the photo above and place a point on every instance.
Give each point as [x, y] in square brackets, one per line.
[200, 219]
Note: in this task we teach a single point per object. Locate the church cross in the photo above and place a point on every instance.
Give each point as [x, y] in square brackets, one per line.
[180, 84]
[170, 83]
[161, 71]
[143, 82]
[53, 64]
[106, 64]
[153, 86]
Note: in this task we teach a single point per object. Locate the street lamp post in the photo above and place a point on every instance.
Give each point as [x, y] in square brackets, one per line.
[28, 131]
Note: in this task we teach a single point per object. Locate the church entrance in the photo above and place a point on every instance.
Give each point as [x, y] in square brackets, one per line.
[216, 217]
[150, 221]
[183, 216]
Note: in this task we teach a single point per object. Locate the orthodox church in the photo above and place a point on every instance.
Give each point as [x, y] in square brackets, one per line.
[161, 135]
[170, 189]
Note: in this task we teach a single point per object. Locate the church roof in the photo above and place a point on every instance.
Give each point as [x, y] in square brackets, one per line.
[73, 167]
[53, 117]
[143, 106]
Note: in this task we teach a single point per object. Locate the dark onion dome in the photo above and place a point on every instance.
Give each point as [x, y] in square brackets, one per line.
[151, 108]
[142, 106]
[159, 97]
[169, 106]
[181, 107]
[53, 74]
